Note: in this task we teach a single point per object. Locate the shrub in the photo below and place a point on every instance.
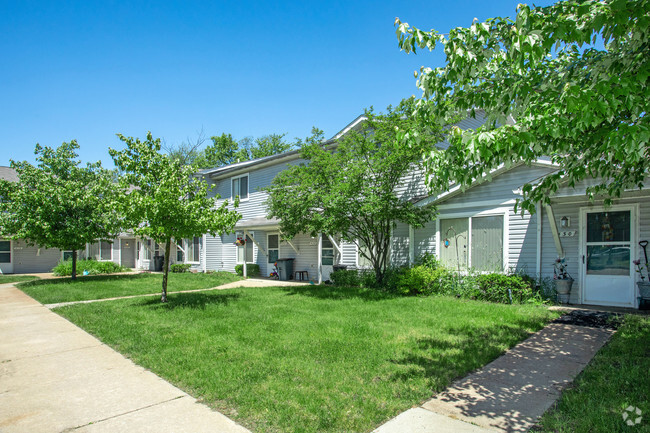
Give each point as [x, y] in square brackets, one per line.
[180, 268]
[346, 277]
[92, 267]
[424, 280]
[502, 288]
[252, 270]
[429, 260]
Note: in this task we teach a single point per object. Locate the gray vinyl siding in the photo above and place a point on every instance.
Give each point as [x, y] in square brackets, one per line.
[399, 248]
[425, 239]
[28, 259]
[522, 243]
[257, 179]
[502, 187]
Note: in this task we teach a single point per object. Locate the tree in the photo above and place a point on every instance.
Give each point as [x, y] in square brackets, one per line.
[574, 76]
[167, 201]
[58, 203]
[349, 189]
[188, 152]
[225, 150]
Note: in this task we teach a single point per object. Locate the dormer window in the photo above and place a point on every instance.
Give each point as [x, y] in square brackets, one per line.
[240, 187]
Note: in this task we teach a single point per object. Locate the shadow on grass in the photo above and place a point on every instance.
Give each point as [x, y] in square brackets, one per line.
[465, 348]
[85, 279]
[337, 292]
[198, 301]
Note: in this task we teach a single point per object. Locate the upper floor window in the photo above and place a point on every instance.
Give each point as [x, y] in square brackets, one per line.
[240, 187]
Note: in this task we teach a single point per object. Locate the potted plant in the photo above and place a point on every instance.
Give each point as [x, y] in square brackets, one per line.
[644, 286]
[240, 242]
[563, 281]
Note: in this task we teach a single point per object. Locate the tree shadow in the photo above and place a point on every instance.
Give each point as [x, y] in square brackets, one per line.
[81, 279]
[330, 292]
[197, 301]
[461, 350]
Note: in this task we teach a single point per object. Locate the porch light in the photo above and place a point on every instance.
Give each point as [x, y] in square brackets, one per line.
[565, 222]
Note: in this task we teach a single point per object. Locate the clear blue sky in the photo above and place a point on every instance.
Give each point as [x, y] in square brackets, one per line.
[90, 69]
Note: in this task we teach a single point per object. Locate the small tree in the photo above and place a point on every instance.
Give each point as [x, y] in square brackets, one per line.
[349, 189]
[167, 201]
[573, 75]
[58, 203]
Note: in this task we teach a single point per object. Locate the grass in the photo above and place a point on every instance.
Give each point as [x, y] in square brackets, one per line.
[309, 359]
[617, 377]
[109, 286]
[11, 278]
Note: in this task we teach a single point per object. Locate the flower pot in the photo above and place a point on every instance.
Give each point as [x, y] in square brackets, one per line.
[563, 290]
[644, 289]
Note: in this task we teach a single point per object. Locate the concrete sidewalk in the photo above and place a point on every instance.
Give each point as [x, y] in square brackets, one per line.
[513, 391]
[54, 377]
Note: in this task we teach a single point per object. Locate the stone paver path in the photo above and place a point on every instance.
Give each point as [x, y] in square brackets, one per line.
[54, 377]
[513, 391]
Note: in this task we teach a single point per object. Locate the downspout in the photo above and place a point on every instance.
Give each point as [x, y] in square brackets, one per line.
[538, 266]
[205, 253]
[411, 245]
[320, 258]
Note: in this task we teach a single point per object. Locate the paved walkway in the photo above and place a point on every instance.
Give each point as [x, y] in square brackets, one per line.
[54, 377]
[513, 391]
[250, 282]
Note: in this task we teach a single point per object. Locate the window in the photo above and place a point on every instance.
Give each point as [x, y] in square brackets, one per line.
[5, 251]
[101, 251]
[180, 257]
[273, 243]
[472, 242]
[193, 249]
[327, 252]
[240, 187]
[67, 255]
[147, 249]
[247, 249]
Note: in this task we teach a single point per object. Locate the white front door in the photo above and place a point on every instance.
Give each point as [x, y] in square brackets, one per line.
[6, 257]
[608, 249]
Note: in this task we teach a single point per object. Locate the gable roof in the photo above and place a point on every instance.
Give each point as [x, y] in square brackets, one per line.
[8, 173]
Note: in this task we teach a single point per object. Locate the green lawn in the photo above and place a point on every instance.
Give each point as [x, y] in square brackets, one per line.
[308, 359]
[11, 278]
[109, 286]
[617, 377]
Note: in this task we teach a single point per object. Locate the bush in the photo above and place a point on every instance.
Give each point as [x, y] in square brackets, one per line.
[179, 268]
[505, 289]
[423, 280]
[252, 270]
[92, 267]
[429, 260]
[345, 277]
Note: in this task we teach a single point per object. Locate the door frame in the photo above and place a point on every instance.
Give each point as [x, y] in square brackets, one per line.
[582, 240]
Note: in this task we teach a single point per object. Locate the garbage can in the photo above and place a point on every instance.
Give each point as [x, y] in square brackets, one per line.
[285, 269]
[158, 262]
[340, 267]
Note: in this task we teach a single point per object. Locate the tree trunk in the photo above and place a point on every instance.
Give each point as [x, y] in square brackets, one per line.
[168, 246]
[74, 264]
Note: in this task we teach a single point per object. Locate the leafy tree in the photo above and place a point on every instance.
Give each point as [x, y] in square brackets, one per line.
[167, 201]
[225, 150]
[349, 189]
[58, 203]
[573, 75]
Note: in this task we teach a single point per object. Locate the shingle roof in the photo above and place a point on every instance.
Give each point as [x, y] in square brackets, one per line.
[8, 173]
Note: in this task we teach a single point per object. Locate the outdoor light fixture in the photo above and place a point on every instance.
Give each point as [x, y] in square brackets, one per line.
[565, 222]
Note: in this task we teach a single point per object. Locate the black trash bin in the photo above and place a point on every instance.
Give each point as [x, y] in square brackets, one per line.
[285, 269]
[158, 262]
[340, 267]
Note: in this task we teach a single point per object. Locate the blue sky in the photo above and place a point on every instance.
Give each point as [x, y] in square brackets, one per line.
[90, 69]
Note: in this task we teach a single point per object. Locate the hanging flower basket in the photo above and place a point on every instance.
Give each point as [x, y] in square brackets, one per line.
[240, 242]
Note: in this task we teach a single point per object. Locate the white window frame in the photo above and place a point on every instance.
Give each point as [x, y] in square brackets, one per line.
[100, 251]
[63, 254]
[504, 212]
[269, 249]
[11, 251]
[186, 243]
[248, 184]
